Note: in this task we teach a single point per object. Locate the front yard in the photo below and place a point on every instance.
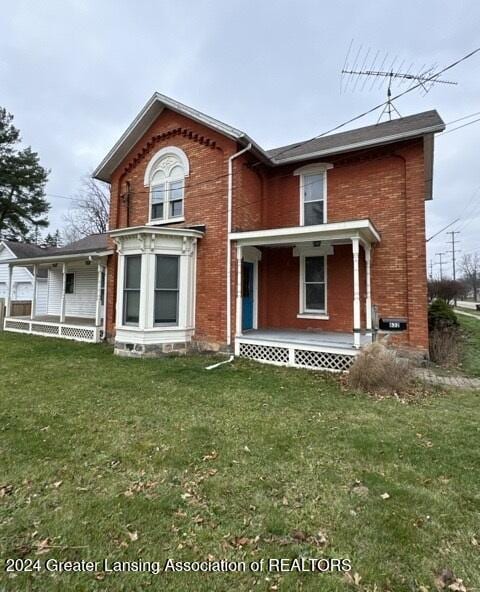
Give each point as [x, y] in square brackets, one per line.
[125, 459]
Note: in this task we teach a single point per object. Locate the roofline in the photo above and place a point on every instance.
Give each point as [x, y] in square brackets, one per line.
[211, 122]
[59, 257]
[155, 230]
[349, 147]
[331, 230]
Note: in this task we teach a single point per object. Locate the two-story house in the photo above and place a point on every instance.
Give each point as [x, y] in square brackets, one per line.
[295, 255]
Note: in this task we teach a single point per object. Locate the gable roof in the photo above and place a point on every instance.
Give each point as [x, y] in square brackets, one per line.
[88, 244]
[371, 135]
[22, 250]
[381, 133]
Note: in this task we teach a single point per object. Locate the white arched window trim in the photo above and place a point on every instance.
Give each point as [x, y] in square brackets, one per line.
[160, 155]
[166, 164]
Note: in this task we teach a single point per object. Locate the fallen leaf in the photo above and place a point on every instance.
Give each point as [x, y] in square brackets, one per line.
[285, 501]
[133, 535]
[211, 456]
[43, 546]
[57, 484]
[247, 449]
[457, 586]
[6, 490]
[385, 496]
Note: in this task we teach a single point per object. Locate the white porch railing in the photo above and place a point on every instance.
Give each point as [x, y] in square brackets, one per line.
[91, 334]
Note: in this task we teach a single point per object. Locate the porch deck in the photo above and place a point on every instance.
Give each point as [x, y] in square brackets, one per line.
[319, 350]
[76, 328]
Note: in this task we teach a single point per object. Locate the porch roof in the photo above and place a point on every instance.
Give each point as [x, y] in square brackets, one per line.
[335, 231]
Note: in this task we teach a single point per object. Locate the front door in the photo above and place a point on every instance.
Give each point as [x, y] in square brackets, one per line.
[247, 295]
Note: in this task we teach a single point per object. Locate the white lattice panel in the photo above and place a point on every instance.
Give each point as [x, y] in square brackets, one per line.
[323, 360]
[264, 353]
[17, 325]
[78, 333]
[45, 329]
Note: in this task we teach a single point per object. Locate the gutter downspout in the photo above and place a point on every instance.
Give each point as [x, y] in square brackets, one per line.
[229, 245]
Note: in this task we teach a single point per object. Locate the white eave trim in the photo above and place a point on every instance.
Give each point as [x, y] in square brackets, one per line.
[57, 258]
[358, 145]
[363, 229]
[133, 230]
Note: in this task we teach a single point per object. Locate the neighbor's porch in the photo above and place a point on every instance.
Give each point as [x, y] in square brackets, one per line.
[304, 294]
[76, 290]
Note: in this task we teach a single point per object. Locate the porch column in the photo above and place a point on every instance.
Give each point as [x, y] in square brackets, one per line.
[239, 290]
[356, 294]
[368, 296]
[34, 295]
[98, 302]
[64, 285]
[9, 291]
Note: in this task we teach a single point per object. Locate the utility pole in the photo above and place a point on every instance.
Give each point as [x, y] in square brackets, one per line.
[431, 269]
[453, 243]
[441, 263]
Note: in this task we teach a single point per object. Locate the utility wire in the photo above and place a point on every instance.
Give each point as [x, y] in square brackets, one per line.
[410, 89]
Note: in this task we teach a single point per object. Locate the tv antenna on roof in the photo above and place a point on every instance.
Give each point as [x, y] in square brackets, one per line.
[384, 70]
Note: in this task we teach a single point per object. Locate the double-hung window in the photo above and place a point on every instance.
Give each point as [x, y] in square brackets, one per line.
[314, 284]
[313, 198]
[131, 289]
[166, 290]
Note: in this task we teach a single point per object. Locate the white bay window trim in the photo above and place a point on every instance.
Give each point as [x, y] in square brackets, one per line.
[305, 173]
[148, 244]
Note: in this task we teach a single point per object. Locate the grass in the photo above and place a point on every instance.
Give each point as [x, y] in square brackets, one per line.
[103, 457]
[471, 355]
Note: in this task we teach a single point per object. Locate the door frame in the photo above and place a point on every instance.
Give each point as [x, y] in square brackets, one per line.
[253, 255]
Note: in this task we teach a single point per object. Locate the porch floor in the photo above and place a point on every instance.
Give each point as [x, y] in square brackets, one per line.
[305, 338]
[80, 321]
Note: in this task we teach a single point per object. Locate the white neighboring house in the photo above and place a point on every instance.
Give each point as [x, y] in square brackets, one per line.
[22, 277]
[75, 278]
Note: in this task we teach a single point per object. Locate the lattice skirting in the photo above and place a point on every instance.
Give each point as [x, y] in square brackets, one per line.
[77, 333]
[297, 357]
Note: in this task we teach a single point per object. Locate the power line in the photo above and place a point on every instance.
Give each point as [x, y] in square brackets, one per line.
[410, 89]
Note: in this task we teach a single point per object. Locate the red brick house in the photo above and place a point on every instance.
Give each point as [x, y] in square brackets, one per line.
[290, 256]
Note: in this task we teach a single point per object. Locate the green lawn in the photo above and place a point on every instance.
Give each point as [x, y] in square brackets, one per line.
[103, 457]
[471, 357]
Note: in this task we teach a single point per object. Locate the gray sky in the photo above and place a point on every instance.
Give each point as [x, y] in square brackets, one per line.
[74, 73]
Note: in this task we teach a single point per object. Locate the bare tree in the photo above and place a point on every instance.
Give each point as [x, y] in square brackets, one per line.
[89, 213]
[470, 266]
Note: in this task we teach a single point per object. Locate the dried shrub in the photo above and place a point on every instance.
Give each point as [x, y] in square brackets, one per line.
[379, 370]
[445, 346]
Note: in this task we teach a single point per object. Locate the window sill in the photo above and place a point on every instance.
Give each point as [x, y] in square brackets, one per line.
[313, 315]
[168, 221]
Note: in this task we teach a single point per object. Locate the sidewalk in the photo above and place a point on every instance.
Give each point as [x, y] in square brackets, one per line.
[456, 380]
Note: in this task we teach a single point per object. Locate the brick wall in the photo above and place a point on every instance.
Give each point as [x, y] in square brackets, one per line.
[385, 185]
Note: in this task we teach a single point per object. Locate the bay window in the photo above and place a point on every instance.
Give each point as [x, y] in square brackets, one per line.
[166, 289]
[131, 289]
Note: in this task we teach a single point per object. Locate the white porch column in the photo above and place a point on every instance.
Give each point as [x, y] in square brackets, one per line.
[239, 290]
[368, 296]
[34, 295]
[98, 303]
[64, 285]
[356, 293]
[9, 291]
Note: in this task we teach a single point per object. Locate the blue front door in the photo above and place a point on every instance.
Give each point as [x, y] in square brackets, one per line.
[247, 295]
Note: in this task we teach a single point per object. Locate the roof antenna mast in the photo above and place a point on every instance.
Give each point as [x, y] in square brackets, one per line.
[351, 71]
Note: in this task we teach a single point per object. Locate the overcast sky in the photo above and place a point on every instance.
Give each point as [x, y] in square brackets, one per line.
[74, 73]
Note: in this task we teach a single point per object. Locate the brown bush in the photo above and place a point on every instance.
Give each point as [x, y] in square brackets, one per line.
[445, 346]
[379, 370]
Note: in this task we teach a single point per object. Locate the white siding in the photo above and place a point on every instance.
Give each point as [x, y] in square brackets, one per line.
[42, 291]
[82, 302]
[20, 277]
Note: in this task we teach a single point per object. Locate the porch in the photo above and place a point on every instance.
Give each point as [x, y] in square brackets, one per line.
[76, 328]
[328, 350]
[289, 310]
[76, 289]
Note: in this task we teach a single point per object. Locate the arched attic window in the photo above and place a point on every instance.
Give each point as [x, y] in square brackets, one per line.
[165, 176]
